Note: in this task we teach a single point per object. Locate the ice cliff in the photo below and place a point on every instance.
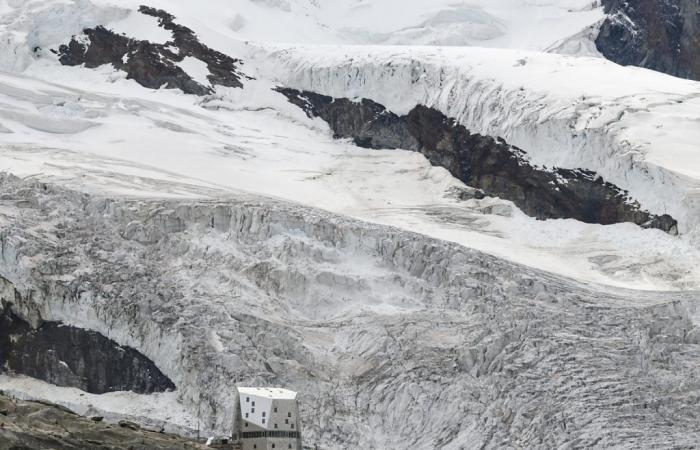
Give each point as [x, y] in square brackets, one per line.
[392, 338]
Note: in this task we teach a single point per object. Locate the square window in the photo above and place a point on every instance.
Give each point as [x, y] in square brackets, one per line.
[275, 426]
[247, 399]
[253, 403]
[290, 446]
[263, 420]
[246, 415]
[263, 413]
[273, 445]
[275, 409]
[292, 426]
[252, 410]
[289, 414]
[255, 445]
[286, 421]
[246, 424]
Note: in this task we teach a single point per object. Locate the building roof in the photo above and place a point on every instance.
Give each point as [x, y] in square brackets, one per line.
[272, 393]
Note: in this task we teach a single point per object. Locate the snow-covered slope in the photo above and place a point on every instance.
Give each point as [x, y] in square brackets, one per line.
[635, 127]
[29, 29]
[74, 131]
[495, 23]
[224, 142]
[161, 411]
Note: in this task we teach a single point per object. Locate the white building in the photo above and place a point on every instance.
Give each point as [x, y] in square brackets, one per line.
[267, 419]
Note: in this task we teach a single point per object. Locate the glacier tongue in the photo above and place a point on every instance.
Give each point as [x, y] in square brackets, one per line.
[392, 338]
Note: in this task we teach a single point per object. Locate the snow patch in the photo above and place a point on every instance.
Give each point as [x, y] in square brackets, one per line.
[154, 411]
[142, 27]
[215, 341]
[196, 69]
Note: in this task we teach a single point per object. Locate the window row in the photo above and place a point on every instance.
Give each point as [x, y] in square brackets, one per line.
[273, 446]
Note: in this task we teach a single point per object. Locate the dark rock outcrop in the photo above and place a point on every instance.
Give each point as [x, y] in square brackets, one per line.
[41, 425]
[153, 65]
[74, 357]
[482, 162]
[662, 35]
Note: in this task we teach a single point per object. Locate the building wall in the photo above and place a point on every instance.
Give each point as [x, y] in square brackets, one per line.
[280, 415]
[255, 409]
[268, 443]
[286, 416]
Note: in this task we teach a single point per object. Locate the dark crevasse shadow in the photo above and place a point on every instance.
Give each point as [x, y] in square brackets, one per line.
[74, 357]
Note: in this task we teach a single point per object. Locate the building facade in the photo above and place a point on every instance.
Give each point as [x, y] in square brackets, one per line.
[267, 419]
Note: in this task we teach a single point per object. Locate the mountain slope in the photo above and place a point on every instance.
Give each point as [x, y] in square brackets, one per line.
[263, 213]
[43, 425]
[562, 111]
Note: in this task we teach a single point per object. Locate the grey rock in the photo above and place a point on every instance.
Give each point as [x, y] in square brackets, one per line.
[660, 35]
[499, 210]
[74, 357]
[42, 425]
[129, 425]
[465, 193]
[153, 65]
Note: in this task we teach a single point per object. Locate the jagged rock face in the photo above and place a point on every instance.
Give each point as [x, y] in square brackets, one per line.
[73, 357]
[36, 425]
[151, 64]
[482, 162]
[662, 35]
[393, 340]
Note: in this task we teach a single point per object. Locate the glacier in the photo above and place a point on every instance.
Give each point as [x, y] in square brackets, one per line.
[367, 322]
[230, 239]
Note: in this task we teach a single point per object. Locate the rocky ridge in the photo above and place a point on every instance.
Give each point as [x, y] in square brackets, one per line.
[662, 35]
[480, 161]
[150, 64]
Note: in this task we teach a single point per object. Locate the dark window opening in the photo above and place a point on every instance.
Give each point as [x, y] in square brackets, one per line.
[275, 409]
[247, 399]
[269, 434]
[275, 426]
[286, 421]
[289, 414]
[263, 413]
[292, 426]
[246, 415]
